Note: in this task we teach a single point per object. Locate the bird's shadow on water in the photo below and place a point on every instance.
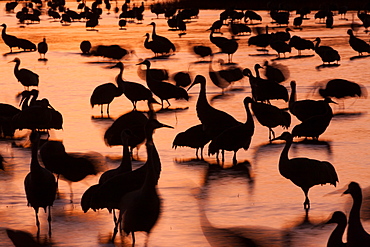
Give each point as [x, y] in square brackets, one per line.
[321, 144]
[301, 56]
[359, 57]
[335, 65]
[266, 148]
[201, 62]
[281, 58]
[169, 110]
[220, 97]
[263, 55]
[106, 240]
[15, 53]
[23, 238]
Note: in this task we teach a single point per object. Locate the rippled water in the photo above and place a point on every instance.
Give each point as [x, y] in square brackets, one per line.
[266, 200]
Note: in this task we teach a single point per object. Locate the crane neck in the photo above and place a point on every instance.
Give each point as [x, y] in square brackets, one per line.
[336, 237]
[125, 165]
[16, 67]
[35, 165]
[249, 123]
[293, 96]
[256, 69]
[202, 98]
[354, 215]
[284, 159]
[154, 34]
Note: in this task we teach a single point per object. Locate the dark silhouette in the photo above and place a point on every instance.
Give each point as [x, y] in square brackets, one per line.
[182, 79]
[202, 51]
[85, 47]
[304, 109]
[276, 72]
[228, 46]
[193, 137]
[23, 239]
[261, 39]
[7, 112]
[234, 138]
[336, 237]
[213, 120]
[357, 44]
[280, 47]
[39, 184]
[9, 40]
[104, 95]
[140, 209]
[216, 77]
[166, 43]
[231, 73]
[265, 90]
[251, 15]
[356, 234]
[42, 48]
[125, 165]
[26, 77]
[133, 91]
[135, 122]
[301, 44]
[305, 172]
[158, 74]
[326, 53]
[163, 90]
[270, 116]
[72, 167]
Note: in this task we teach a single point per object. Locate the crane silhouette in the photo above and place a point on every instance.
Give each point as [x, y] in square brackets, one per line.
[163, 41]
[193, 137]
[234, 138]
[228, 46]
[26, 77]
[214, 121]
[301, 44]
[8, 39]
[358, 44]
[140, 209]
[42, 48]
[336, 237]
[163, 90]
[39, 184]
[133, 91]
[356, 234]
[305, 172]
[326, 53]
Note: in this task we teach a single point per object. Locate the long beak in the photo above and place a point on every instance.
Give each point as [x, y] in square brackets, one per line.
[166, 126]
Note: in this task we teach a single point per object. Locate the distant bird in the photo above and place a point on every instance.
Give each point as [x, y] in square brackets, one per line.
[234, 138]
[26, 77]
[163, 90]
[326, 53]
[26, 45]
[104, 95]
[158, 74]
[92, 21]
[301, 44]
[305, 172]
[251, 15]
[216, 26]
[216, 77]
[7, 112]
[329, 20]
[122, 23]
[356, 234]
[341, 89]
[304, 109]
[336, 237]
[39, 184]
[9, 40]
[193, 137]
[133, 91]
[163, 40]
[110, 51]
[85, 47]
[125, 165]
[297, 21]
[228, 46]
[214, 121]
[66, 20]
[283, 36]
[42, 48]
[357, 44]
[182, 79]
[202, 51]
[270, 116]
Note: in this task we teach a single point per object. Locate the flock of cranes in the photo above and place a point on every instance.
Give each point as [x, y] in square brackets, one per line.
[134, 192]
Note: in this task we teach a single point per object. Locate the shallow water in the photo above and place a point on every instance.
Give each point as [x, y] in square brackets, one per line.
[256, 200]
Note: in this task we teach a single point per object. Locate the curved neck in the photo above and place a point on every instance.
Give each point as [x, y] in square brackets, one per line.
[249, 123]
[257, 72]
[125, 165]
[153, 32]
[35, 166]
[284, 159]
[354, 215]
[336, 237]
[202, 98]
[16, 67]
[317, 43]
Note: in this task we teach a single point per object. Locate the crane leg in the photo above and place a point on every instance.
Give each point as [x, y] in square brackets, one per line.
[196, 153]
[49, 220]
[108, 110]
[306, 203]
[116, 224]
[71, 193]
[37, 224]
[223, 157]
[133, 238]
[101, 111]
[201, 153]
[234, 159]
